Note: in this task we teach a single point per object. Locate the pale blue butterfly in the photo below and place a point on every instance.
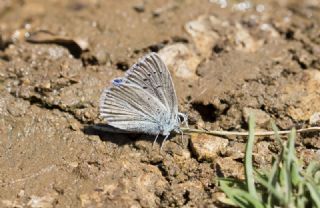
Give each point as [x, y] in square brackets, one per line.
[144, 100]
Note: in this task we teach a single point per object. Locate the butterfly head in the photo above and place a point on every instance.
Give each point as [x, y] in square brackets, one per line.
[180, 119]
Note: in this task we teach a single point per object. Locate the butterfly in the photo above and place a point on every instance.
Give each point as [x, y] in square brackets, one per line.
[143, 100]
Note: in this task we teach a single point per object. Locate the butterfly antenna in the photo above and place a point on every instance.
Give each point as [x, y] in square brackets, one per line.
[164, 142]
[181, 135]
[155, 141]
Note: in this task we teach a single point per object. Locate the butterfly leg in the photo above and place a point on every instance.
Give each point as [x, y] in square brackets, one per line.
[164, 141]
[187, 125]
[155, 141]
[182, 139]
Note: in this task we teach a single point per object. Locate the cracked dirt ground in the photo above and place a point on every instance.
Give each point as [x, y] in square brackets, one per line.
[226, 60]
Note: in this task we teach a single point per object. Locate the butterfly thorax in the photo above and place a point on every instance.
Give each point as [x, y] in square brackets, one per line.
[173, 124]
[167, 128]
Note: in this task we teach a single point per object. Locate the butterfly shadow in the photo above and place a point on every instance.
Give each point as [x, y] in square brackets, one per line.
[114, 135]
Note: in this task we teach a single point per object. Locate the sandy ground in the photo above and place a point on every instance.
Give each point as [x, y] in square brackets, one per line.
[227, 60]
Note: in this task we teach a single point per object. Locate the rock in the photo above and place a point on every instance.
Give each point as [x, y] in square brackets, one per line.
[312, 142]
[21, 193]
[139, 8]
[193, 191]
[202, 34]
[165, 8]
[262, 118]
[309, 155]
[102, 56]
[315, 119]
[244, 41]
[43, 202]
[74, 125]
[180, 59]
[230, 168]
[262, 155]
[207, 147]
[235, 151]
[306, 99]
[144, 145]
[11, 204]
[91, 200]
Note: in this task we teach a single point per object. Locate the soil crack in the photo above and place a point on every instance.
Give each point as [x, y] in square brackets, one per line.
[34, 100]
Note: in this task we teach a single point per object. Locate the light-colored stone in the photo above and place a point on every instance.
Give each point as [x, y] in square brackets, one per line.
[262, 155]
[244, 41]
[306, 95]
[181, 60]
[235, 151]
[11, 204]
[315, 119]
[207, 147]
[261, 117]
[230, 168]
[41, 201]
[312, 142]
[204, 37]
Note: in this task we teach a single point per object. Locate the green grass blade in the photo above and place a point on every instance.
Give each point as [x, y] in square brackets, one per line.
[276, 133]
[287, 157]
[317, 177]
[274, 171]
[301, 199]
[268, 186]
[315, 195]
[290, 163]
[312, 168]
[248, 159]
[295, 174]
[290, 146]
[240, 197]
[286, 184]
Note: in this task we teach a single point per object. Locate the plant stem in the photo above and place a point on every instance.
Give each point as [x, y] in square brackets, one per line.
[237, 133]
[248, 160]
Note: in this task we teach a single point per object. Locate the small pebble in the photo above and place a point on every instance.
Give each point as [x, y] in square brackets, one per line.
[262, 118]
[74, 126]
[315, 119]
[139, 8]
[230, 168]
[207, 147]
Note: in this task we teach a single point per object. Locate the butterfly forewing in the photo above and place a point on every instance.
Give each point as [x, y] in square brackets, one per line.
[152, 74]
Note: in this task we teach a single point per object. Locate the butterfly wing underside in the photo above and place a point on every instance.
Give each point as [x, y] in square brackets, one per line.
[152, 74]
[143, 99]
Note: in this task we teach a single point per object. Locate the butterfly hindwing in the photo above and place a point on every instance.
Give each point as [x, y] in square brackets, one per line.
[127, 106]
